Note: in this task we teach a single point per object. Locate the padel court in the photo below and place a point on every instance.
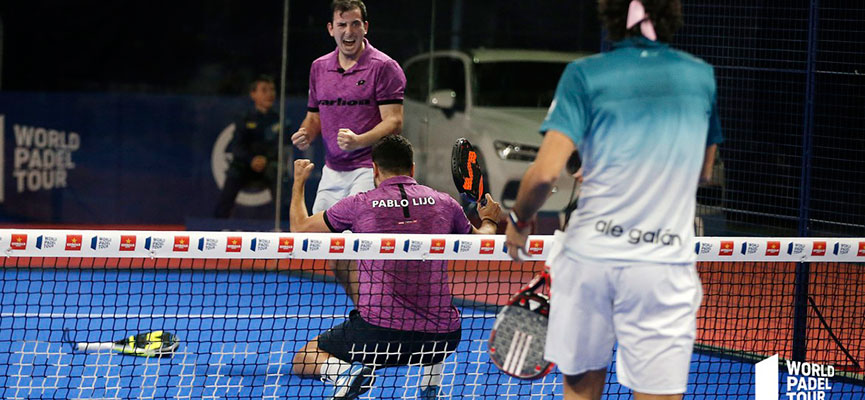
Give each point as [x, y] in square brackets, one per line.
[241, 321]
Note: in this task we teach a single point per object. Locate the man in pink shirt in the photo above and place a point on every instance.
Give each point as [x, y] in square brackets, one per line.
[404, 309]
[355, 98]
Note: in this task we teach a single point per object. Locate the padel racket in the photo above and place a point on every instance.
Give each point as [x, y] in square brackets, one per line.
[467, 172]
[516, 344]
[150, 344]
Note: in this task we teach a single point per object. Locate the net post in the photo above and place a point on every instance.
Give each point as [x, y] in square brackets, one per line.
[800, 311]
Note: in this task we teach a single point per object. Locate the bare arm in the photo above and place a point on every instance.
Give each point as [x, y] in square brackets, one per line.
[708, 163]
[310, 129]
[391, 124]
[299, 219]
[312, 123]
[490, 216]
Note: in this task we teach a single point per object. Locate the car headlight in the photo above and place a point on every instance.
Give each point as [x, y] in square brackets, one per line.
[515, 151]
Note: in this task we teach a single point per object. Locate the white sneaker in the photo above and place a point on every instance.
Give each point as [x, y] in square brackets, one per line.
[352, 383]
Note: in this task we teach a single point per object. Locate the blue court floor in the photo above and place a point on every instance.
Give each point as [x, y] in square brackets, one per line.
[239, 332]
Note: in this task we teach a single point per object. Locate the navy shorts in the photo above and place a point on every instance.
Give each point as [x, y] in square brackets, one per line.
[356, 340]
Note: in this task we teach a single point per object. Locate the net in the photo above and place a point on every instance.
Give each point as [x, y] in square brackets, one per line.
[243, 304]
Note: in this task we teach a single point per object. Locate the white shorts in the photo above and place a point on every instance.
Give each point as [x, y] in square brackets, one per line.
[650, 309]
[337, 185]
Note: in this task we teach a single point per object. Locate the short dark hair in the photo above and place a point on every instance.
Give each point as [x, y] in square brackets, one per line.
[348, 5]
[393, 154]
[666, 16]
[259, 79]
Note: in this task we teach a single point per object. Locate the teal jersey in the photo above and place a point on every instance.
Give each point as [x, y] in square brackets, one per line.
[641, 116]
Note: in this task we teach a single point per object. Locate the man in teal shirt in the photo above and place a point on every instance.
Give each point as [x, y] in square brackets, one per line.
[643, 117]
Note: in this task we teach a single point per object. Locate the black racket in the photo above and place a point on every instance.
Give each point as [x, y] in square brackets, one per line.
[517, 341]
[467, 172]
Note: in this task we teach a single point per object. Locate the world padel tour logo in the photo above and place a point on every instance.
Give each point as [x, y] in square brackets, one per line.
[337, 245]
[259, 244]
[840, 249]
[153, 243]
[773, 248]
[795, 248]
[437, 246]
[207, 244]
[233, 244]
[819, 249]
[310, 245]
[388, 245]
[19, 242]
[726, 248]
[127, 242]
[73, 242]
[411, 246]
[45, 242]
[181, 243]
[462, 246]
[286, 245]
[361, 245]
[804, 381]
[750, 248]
[703, 248]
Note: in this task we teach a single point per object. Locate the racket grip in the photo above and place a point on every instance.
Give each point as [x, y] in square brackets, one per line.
[483, 200]
[95, 346]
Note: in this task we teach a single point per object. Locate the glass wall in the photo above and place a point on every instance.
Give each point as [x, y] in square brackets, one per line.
[128, 114]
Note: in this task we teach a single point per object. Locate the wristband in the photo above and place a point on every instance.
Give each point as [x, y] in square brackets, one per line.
[489, 219]
[517, 222]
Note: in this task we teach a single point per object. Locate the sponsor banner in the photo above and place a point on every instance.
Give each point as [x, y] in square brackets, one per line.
[488, 246]
[536, 247]
[286, 245]
[126, 244]
[773, 248]
[437, 245]
[233, 244]
[181, 243]
[726, 248]
[18, 241]
[818, 248]
[73, 242]
[388, 245]
[337, 245]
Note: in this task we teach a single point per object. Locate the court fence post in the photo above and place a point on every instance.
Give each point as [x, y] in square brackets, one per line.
[802, 280]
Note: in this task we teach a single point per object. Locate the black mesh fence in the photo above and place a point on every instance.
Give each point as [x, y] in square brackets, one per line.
[790, 94]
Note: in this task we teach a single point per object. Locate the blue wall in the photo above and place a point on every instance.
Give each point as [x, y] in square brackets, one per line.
[114, 158]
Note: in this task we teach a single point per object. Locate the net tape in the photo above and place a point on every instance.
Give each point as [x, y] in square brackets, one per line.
[333, 246]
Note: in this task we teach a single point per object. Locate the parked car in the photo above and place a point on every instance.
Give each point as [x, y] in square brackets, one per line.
[495, 98]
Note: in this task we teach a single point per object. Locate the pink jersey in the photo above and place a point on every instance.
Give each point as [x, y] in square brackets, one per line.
[349, 99]
[405, 295]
